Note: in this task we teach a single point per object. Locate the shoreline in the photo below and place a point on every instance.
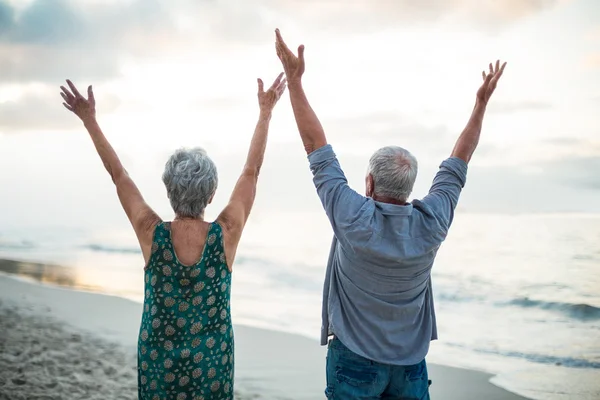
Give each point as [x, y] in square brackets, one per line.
[269, 364]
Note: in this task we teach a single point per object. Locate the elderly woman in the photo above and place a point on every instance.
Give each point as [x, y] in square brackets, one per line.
[185, 345]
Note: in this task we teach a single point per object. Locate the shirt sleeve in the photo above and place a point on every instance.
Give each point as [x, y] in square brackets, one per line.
[343, 205]
[446, 188]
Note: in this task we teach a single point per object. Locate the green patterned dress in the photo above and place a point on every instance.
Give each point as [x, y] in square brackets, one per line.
[185, 347]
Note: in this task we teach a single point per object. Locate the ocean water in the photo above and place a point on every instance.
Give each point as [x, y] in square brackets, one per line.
[516, 295]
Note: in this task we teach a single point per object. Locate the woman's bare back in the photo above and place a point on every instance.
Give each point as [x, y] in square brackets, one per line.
[189, 238]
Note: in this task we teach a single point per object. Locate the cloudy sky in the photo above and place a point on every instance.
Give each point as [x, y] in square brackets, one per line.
[182, 73]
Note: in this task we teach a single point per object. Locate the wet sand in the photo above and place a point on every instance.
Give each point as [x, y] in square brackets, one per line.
[58, 343]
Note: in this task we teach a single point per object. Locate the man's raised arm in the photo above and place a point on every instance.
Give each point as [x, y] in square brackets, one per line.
[450, 179]
[342, 204]
[469, 138]
[311, 131]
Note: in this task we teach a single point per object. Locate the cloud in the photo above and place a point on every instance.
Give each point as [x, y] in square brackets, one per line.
[593, 34]
[367, 14]
[390, 128]
[565, 141]
[499, 107]
[562, 185]
[592, 61]
[571, 147]
[48, 39]
[43, 112]
[6, 17]
[575, 172]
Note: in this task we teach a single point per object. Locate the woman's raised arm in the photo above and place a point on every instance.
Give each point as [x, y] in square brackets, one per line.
[233, 218]
[142, 217]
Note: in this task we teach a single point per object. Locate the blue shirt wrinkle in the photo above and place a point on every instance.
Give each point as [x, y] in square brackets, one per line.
[377, 295]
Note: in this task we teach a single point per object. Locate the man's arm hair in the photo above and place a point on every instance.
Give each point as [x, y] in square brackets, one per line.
[469, 138]
[309, 126]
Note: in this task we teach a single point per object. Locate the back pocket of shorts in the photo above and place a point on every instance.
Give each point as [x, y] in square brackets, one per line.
[355, 375]
[415, 372]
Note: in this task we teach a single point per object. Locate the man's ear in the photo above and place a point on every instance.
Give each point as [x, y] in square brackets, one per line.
[369, 185]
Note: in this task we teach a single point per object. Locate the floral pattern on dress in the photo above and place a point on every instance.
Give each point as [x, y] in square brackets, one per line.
[185, 345]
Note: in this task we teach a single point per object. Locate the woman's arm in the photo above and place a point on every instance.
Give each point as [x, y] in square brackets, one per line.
[142, 217]
[233, 218]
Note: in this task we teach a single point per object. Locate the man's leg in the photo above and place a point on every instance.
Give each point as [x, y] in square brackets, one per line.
[352, 377]
[408, 383]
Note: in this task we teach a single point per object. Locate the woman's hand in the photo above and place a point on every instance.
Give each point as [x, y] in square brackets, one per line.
[84, 108]
[268, 99]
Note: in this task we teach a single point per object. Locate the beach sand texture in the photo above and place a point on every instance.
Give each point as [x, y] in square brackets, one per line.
[63, 344]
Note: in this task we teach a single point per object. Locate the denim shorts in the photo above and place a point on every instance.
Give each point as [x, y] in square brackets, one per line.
[350, 376]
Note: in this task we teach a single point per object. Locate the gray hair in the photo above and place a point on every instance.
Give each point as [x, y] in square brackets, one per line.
[191, 180]
[394, 172]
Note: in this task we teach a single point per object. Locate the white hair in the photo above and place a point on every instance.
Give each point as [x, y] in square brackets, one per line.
[191, 180]
[394, 172]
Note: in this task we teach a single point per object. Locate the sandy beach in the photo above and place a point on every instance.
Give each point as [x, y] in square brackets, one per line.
[58, 343]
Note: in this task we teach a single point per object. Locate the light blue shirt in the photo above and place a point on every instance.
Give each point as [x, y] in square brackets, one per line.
[377, 297]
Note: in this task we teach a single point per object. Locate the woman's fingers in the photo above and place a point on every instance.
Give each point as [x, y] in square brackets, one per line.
[91, 98]
[276, 82]
[74, 89]
[67, 94]
[281, 88]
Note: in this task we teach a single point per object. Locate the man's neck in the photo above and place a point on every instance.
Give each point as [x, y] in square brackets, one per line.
[390, 200]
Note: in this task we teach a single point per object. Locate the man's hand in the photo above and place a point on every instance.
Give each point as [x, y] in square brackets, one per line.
[268, 99]
[490, 80]
[84, 108]
[292, 65]
[469, 138]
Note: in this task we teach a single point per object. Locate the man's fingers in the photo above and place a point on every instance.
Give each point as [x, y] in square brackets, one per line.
[74, 89]
[498, 74]
[279, 40]
[487, 79]
[68, 107]
[497, 66]
[483, 75]
[261, 85]
[281, 52]
[65, 97]
[301, 52]
[491, 69]
[278, 36]
[502, 69]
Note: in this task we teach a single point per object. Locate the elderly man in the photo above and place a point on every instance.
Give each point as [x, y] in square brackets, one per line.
[378, 307]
